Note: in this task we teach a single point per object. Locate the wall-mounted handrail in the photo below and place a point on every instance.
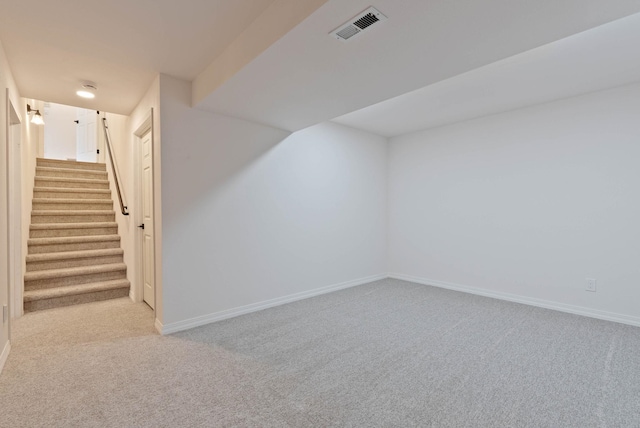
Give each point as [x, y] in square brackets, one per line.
[114, 168]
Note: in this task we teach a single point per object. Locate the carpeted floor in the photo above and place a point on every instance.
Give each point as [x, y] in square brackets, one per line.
[385, 354]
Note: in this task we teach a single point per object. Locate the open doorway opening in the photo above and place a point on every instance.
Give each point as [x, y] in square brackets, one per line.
[75, 253]
[72, 133]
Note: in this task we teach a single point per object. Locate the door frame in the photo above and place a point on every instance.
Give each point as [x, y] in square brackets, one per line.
[146, 126]
[100, 141]
[14, 211]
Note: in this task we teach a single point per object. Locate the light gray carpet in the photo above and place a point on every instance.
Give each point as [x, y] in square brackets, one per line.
[386, 354]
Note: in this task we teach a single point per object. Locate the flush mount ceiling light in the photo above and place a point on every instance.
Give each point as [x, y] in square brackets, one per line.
[86, 94]
[37, 117]
[88, 90]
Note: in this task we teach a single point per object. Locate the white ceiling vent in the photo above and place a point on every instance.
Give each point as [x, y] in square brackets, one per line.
[358, 24]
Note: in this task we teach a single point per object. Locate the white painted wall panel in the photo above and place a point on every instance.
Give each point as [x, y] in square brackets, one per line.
[529, 202]
[251, 213]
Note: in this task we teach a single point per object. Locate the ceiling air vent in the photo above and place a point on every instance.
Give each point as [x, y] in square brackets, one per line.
[358, 24]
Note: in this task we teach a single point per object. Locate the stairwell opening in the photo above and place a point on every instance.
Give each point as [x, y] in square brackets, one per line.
[74, 249]
[74, 252]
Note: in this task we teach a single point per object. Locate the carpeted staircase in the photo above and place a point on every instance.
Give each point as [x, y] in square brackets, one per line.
[74, 253]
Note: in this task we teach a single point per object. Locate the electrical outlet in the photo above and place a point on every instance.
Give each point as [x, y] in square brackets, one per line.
[591, 285]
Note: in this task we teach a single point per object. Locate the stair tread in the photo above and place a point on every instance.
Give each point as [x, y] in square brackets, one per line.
[38, 160]
[64, 255]
[56, 168]
[46, 226]
[70, 190]
[74, 271]
[72, 179]
[68, 290]
[71, 201]
[72, 239]
[71, 212]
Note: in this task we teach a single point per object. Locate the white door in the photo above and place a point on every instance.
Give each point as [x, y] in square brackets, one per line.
[148, 272]
[86, 136]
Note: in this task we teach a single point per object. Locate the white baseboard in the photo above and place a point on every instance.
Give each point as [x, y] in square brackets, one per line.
[547, 304]
[5, 355]
[254, 307]
[158, 325]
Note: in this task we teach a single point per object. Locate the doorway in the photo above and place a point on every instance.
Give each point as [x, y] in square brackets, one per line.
[145, 218]
[86, 136]
[13, 157]
[71, 133]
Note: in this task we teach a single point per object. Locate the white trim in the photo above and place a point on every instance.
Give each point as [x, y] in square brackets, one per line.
[548, 304]
[137, 285]
[158, 326]
[8, 216]
[254, 307]
[5, 355]
[15, 261]
[146, 126]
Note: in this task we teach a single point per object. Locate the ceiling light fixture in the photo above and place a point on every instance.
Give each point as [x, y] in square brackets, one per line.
[86, 94]
[37, 117]
[88, 90]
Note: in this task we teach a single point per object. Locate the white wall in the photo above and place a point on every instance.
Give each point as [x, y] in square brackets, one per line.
[526, 204]
[123, 153]
[251, 213]
[60, 131]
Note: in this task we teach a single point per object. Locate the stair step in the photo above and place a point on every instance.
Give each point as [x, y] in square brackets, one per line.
[51, 230]
[58, 163]
[69, 216]
[77, 183]
[75, 294]
[41, 204]
[68, 259]
[72, 243]
[70, 193]
[46, 171]
[74, 253]
[73, 276]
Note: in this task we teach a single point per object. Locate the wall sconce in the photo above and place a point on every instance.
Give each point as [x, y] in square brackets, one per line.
[37, 117]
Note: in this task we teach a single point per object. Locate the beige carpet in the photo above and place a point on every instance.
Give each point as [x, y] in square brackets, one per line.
[74, 253]
[389, 353]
